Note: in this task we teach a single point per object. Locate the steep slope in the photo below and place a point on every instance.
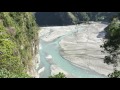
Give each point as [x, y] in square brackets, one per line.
[68, 18]
[18, 43]
[52, 18]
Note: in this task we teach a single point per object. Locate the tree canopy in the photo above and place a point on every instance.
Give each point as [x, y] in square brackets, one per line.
[112, 46]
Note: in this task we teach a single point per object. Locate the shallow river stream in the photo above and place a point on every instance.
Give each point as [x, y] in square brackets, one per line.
[52, 48]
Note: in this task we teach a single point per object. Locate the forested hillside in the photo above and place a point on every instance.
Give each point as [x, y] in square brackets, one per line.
[68, 18]
[112, 45]
[18, 43]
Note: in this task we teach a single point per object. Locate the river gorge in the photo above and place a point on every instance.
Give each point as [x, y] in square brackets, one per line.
[74, 50]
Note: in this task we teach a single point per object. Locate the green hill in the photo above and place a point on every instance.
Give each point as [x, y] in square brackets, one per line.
[18, 37]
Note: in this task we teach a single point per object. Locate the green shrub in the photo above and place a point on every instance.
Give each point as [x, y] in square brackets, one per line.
[7, 74]
[59, 75]
[115, 74]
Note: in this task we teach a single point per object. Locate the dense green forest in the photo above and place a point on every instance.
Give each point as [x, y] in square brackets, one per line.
[18, 36]
[68, 18]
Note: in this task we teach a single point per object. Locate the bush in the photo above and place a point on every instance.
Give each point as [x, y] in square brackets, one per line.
[7, 74]
[59, 75]
[115, 74]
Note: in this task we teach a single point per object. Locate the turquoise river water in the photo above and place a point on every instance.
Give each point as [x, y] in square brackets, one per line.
[52, 48]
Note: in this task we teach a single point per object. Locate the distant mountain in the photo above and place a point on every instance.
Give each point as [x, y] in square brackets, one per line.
[68, 18]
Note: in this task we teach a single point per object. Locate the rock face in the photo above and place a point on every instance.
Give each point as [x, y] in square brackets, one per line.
[35, 62]
[82, 48]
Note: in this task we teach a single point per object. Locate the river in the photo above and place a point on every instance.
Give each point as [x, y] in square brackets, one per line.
[52, 48]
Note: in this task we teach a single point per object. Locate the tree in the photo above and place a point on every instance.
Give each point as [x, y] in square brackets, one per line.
[112, 46]
[115, 74]
[85, 16]
[59, 75]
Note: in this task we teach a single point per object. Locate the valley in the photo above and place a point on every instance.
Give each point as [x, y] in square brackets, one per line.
[74, 50]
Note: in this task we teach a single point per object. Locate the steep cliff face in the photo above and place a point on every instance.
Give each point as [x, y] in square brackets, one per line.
[18, 44]
[67, 18]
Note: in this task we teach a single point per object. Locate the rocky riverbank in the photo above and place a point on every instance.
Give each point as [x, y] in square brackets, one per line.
[80, 45]
[82, 48]
[49, 34]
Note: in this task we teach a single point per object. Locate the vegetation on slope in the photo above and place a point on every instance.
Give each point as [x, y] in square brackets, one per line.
[68, 18]
[18, 36]
[112, 46]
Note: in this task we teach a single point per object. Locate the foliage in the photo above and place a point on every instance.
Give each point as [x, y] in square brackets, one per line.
[85, 16]
[115, 74]
[112, 43]
[112, 46]
[59, 75]
[18, 36]
[7, 74]
[67, 18]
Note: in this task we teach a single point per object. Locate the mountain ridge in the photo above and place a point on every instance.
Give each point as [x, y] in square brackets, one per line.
[71, 18]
